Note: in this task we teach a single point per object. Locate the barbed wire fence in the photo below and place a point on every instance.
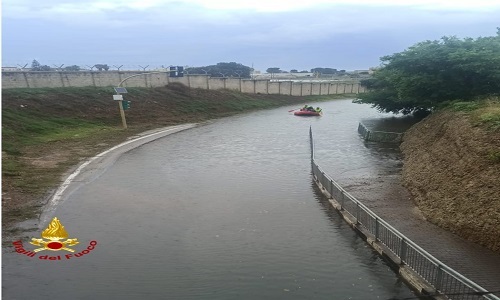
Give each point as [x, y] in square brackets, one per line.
[118, 68]
[88, 67]
[26, 67]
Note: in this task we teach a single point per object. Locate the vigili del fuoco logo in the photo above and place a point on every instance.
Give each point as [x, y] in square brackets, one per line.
[54, 238]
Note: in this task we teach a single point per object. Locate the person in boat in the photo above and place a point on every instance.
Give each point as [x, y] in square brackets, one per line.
[310, 108]
[318, 110]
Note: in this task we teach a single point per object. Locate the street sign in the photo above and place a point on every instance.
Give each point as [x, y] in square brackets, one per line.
[118, 97]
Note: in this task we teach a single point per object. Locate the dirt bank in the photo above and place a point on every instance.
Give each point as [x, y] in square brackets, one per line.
[452, 169]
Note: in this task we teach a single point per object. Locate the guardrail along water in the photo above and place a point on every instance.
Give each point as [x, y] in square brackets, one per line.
[423, 271]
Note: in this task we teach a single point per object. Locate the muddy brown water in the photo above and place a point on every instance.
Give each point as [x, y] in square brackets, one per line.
[227, 210]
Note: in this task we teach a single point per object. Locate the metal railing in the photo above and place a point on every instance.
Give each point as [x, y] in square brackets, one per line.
[446, 281]
[379, 136]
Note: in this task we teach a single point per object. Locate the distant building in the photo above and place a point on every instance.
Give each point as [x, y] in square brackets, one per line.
[281, 75]
[8, 69]
[361, 72]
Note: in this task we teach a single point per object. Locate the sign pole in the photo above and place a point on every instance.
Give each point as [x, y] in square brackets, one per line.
[122, 113]
[119, 99]
[121, 90]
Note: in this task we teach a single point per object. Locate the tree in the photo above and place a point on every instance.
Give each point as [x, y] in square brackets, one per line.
[36, 66]
[101, 67]
[294, 71]
[72, 68]
[273, 70]
[328, 71]
[433, 72]
[223, 68]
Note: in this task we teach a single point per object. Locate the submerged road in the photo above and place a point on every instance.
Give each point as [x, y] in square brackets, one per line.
[227, 210]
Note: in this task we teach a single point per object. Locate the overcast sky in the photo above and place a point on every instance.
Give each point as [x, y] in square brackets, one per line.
[289, 34]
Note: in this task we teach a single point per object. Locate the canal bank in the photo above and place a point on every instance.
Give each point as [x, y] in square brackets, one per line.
[452, 169]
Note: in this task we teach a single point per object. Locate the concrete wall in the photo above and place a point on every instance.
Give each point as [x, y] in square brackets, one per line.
[198, 81]
[324, 88]
[315, 88]
[273, 88]
[306, 88]
[248, 86]
[296, 89]
[216, 83]
[233, 84]
[20, 79]
[338, 87]
[261, 86]
[286, 88]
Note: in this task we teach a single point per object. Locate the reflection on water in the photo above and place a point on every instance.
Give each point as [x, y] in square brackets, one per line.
[222, 211]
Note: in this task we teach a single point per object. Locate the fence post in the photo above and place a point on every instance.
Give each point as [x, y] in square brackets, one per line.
[357, 212]
[331, 189]
[403, 251]
[342, 200]
[439, 277]
[311, 142]
[377, 228]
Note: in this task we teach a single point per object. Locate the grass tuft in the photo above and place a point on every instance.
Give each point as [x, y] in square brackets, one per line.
[465, 106]
[494, 156]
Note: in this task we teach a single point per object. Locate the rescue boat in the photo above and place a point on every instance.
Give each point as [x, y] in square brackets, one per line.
[306, 113]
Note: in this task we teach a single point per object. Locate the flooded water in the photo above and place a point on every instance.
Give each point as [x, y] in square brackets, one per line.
[226, 210]
[391, 124]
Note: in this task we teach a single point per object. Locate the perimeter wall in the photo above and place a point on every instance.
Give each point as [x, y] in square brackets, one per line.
[20, 79]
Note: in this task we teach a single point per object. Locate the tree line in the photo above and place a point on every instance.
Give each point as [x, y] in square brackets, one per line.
[431, 73]
[222, 69]
[36, 66]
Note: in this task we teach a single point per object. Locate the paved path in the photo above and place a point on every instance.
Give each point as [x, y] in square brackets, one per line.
[99, 163]
[395, 206]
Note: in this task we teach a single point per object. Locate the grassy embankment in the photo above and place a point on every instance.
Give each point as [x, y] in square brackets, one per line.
[47, 131]
[452, 169]
[485, 114]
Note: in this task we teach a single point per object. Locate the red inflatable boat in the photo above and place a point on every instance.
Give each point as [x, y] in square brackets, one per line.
[306, 113]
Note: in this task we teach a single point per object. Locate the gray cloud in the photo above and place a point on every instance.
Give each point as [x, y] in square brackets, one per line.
[340, 36]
